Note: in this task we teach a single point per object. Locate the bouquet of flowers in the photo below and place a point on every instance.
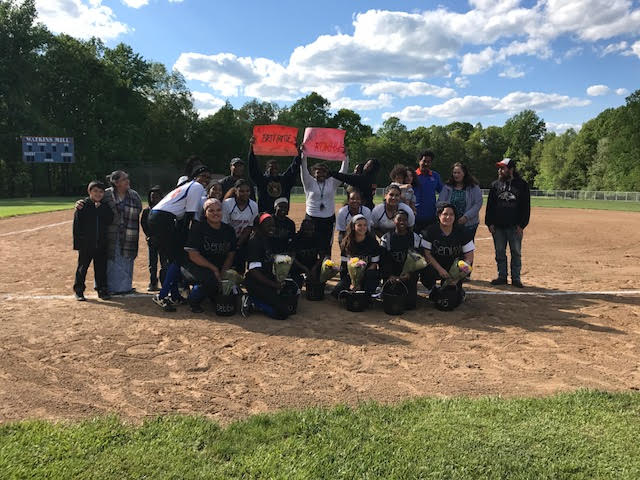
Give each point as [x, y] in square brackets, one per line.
[459, 270]
[413, 263]
[328, 270]
[281, 266]
[230, 280]
[356, 269]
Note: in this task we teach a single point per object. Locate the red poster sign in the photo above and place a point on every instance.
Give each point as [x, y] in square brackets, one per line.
[275, 140]
[324, 143]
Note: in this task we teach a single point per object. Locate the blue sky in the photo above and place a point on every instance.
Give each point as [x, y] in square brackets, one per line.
[424, 62]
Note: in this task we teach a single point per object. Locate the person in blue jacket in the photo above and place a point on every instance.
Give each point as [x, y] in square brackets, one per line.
[427, 184]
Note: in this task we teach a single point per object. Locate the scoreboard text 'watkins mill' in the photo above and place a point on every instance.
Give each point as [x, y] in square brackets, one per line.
[47, 149]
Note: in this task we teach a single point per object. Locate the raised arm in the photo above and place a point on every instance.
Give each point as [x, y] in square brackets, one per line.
[254, 171]
[305, 176]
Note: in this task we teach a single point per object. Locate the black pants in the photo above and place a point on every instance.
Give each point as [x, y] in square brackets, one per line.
[268, 296]
[323, 231]
[369, 283]
[169, 239]
[429, 276]
[205, 282]
[390, 268]
[99, 257]
[154, 257]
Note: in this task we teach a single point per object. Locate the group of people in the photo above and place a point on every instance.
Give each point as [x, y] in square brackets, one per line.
[202, 228]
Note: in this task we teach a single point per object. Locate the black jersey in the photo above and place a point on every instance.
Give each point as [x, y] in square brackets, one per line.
[260, 254]
[308, 250]
[367, 250]
[395, 248]
[285, 231]
[214, 244]
[446, 248]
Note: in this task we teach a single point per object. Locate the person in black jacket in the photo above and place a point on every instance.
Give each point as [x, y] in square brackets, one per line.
[365, 182]
[507, 215]
[153, 197]
[90, 239]
[272, 184]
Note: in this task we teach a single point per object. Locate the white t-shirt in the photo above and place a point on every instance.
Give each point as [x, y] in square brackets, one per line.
[320, 194]
[239, 219]
[344, 217]
[382, 222]
[182, 199]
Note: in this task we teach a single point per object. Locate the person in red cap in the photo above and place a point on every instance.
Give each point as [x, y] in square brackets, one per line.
[507, 215]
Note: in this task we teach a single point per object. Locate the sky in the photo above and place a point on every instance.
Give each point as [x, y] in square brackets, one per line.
[423, 62]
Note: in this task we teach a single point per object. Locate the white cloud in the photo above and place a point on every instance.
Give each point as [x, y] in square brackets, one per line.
[474, 63]
[206, 104]
[597, 90]
[614, 48]
[621, 91]
[408, 89]
[383, 100]
[81, 19]
[472, 106]
[135, 3]
[462, 82]
[560, 128]
[511, 72]
[635, 48]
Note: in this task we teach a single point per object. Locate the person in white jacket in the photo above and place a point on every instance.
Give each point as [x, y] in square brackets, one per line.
[320, 192]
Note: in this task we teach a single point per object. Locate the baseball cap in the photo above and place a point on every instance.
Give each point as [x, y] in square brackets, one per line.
[236, 160]
[182, 180]
[506, 162]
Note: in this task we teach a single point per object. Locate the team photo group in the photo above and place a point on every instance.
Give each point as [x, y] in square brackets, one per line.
[232, 241]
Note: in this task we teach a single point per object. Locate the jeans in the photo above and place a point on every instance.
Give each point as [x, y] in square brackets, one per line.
[501, 237]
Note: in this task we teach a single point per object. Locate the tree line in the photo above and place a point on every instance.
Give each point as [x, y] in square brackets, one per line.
[126, 111]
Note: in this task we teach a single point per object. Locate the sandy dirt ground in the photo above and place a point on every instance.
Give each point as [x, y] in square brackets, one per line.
[60, 359]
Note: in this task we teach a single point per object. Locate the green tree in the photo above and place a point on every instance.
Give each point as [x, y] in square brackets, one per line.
[522, 131]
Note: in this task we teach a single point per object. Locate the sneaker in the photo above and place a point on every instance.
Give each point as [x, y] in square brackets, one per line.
[517, 283]
[196, 308]
[153, 287]
[246, 307]
[163, 303]
[499, 281]
[104, 296]
[80, 297]
[179, 300]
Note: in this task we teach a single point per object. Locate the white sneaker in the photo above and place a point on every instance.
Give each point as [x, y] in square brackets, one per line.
[246, 306]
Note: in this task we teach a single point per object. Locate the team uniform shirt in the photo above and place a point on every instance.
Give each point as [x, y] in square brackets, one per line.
[213, 244]
[344, 217]
[239, 219]
[320, 194]
[367, 250]
[182, 199]
[260, 255]
[383, 223]
[446, 248]
[285, 231]
[395, 248]
[199, 215]
[308, 250]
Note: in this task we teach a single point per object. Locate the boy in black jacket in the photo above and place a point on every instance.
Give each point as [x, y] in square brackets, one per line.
[154, 196]
[507, 215]
[90, 239]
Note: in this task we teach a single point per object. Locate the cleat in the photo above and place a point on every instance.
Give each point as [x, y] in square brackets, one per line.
[499, 281]
[80, 297]
[517, 283]
[163, 303]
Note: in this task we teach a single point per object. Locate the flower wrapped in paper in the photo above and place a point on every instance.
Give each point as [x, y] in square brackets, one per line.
[281, 267]
[459, 270]
[356, 269]
[413, 263]
[328, 270]
[230, 279]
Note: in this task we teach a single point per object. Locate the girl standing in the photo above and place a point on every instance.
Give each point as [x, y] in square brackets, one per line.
[463, 192]
[240, 212]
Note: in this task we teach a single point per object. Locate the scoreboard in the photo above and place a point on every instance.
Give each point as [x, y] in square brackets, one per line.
[47, 149]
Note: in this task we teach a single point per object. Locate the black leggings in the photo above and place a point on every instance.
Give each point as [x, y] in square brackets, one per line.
[169, 239]
[205, 282]
[269, 296]
[323, 231]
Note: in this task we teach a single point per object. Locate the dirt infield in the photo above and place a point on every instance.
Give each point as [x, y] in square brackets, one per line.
[63, 359]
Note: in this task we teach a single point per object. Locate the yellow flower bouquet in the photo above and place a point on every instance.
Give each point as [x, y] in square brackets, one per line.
[356, 269]
[328, 270]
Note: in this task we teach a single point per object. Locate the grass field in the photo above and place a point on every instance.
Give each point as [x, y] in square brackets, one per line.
[579, 435]
[10, 207]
